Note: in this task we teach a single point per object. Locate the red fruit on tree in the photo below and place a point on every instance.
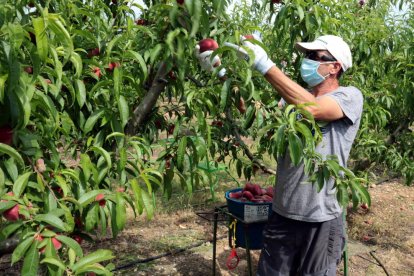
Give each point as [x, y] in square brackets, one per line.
[78, 222]
[6, 135]
[93, 52]
[364, 206]
[217, 123]
[113, 65]
[12, 214]
[208, 44]
[180, 2]
[172, 76]
[28, 69]
[141, 22]
[249, 36]
[158, 124]
[361, 2]
[78, 239]
[100, 199]
[32, 38]
[170, 129]
[97, 72]
[56, 244]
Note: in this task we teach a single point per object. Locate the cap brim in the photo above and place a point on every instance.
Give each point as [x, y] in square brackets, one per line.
[310, 46]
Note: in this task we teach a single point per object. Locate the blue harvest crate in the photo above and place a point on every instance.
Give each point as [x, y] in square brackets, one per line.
[255, 215]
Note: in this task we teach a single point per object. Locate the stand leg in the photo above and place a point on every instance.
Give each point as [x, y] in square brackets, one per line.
[345, 253]
[215, 240]
[246, 238]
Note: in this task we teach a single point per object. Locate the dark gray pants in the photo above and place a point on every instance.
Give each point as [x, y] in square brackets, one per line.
[292, 247]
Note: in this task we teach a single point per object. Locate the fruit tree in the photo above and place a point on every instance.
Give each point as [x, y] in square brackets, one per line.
[91, 90]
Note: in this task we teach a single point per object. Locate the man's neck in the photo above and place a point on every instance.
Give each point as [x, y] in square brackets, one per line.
[325, 87]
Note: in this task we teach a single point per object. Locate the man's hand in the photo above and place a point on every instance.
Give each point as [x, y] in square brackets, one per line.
[207, 63]
[261, 62]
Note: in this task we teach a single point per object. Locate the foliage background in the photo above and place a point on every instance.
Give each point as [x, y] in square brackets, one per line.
[95, 93]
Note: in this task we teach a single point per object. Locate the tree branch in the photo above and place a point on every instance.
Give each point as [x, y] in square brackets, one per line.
[145, 106]
[246, 150]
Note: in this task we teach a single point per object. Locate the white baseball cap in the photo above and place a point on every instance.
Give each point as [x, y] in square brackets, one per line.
[335, 45]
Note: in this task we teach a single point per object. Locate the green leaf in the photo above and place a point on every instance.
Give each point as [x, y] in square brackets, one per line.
[137, 194]
[146, 199]
[362, 191]
[305, 131]
[105, 155]
[51, 219]
[20, 184]
[9, 229]
[342, 195]
[80, 92]
[76, 60]
[12, 153]
[120, 208]
[250, 115]
[280, 141]
[117, 76]
[54, 261]
[140, 60]
[71, 243]
[6, 205]
[92, 217]
[295, 148]
[3, 79]
[91, 121]
[90, 196]
[224, 95]
[99, 255]
[31, 261]
[63, 36]
[301, 14]
[181, 153]
[41, 37]
[123, 110]
[21, 249]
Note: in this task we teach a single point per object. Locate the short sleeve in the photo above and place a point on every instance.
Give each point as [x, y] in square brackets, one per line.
[350, 100]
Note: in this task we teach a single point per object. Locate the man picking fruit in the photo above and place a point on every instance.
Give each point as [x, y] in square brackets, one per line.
[305, 233]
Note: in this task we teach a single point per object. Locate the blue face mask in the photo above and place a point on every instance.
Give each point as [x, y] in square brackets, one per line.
[309, 72]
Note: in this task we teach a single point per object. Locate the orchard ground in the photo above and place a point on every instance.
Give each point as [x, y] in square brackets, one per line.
[386, 230]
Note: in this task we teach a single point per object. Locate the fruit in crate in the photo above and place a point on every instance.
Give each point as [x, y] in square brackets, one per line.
[253, 193]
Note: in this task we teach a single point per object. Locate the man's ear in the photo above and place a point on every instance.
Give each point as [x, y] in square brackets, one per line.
[336, 68]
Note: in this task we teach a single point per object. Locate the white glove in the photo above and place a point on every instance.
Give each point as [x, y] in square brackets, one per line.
[207, 63]
[261, 62]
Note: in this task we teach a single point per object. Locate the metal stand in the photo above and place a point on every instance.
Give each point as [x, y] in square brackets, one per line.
[223, 210]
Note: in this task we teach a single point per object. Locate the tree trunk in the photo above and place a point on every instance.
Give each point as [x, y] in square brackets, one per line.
[148, 102]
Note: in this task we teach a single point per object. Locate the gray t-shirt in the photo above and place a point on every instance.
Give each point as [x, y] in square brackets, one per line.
[294, 196]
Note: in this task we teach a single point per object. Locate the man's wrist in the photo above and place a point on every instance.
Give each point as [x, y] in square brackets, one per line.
[265, 66]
